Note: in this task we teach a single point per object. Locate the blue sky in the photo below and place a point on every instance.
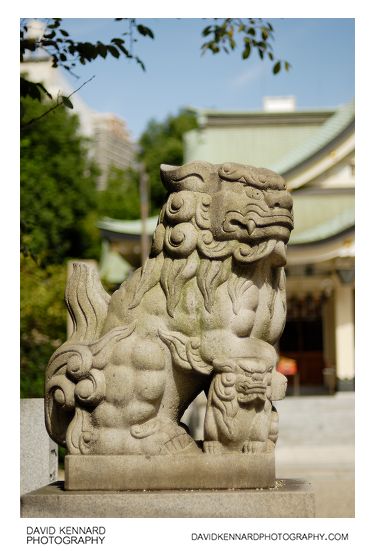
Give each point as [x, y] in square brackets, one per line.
[321, 52]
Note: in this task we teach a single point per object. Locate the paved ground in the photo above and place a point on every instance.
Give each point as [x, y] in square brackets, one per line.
[316, 443]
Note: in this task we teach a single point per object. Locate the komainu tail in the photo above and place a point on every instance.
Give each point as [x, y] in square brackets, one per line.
[87, 303]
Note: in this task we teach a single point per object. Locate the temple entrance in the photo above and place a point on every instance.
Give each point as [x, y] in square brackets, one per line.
[302, 341]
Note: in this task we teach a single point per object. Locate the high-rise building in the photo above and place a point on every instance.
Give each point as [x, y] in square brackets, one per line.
[111, 144]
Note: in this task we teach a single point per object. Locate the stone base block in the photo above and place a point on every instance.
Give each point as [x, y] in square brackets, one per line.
[188, 472]
[289, 499]
[38, 452]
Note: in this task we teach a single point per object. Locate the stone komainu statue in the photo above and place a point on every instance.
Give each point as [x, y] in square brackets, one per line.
[204, 313]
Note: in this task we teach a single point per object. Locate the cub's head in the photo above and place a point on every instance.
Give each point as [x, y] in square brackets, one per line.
[250, 376]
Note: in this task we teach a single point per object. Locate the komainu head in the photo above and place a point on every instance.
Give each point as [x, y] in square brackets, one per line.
[214, 218]
[223, 210]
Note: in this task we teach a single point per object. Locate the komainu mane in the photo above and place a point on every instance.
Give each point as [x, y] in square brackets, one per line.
[204, 313]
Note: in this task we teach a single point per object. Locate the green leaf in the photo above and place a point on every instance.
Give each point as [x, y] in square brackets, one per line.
[246, 51]
[213, 47]
[114, 51]
[124, 50]
[145, 31]
[40, 85]
[206, 31]
[118, 41]
[102, 49]
[87, 50]
[287, 65]
[49, 43]
[140, 62]
[64, 33]
[55, 24]
[66, 101]
[276, 68]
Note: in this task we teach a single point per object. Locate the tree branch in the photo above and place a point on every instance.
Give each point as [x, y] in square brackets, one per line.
[58, 104]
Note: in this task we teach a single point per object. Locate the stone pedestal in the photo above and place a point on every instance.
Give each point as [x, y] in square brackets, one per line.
[188, 472]
[288, 499]
[38, 452]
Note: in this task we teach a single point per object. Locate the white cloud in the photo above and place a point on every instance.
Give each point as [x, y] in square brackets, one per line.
[248, 75]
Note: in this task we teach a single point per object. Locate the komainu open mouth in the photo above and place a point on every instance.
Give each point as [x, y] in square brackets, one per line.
[249, 388]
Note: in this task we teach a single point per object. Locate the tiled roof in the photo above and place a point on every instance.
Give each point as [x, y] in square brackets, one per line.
[321, 216]
[332, 128]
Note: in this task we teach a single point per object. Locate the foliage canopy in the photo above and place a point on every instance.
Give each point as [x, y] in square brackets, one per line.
[162, 142]
[227, 34]
[57, 185]
[43, 321]
[120, 199]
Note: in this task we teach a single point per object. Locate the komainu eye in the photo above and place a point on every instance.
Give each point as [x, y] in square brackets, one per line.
[254, 193]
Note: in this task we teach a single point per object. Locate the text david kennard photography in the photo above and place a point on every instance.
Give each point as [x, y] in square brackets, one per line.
[45, 535]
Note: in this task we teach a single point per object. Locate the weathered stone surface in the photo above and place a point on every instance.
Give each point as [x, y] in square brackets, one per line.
[38, 458]
[289, 499]
[204, 313]
[156, 472]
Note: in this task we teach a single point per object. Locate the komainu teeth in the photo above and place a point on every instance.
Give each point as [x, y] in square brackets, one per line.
[250, 226]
